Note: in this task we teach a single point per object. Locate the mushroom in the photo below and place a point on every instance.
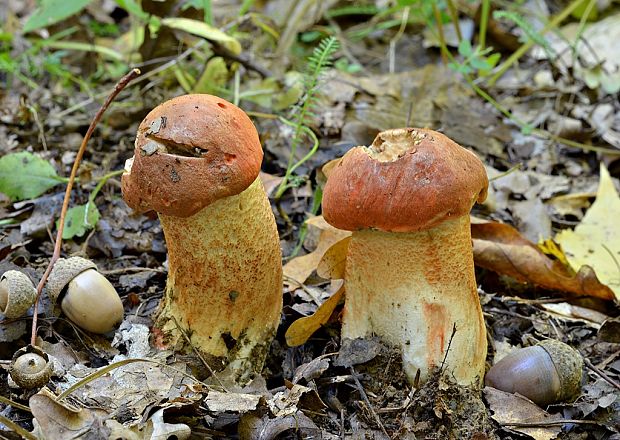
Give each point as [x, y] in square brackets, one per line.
[409, 275]
[196, 163]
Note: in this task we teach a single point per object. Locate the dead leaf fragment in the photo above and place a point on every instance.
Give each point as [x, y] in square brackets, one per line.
[311, 370]
[334, 260]
[251, 427]
[57, 421]
[300, 268]
[157, 429]
[299, 331]
[500, 248]
[233, 402]
[596, 240]
[510, 410]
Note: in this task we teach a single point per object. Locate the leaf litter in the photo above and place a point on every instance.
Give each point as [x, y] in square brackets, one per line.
[302, 390]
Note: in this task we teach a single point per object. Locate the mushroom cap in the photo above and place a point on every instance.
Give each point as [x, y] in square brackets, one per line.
[191, 151]
[409, 179]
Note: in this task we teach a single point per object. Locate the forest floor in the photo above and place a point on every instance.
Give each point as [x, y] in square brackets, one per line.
[547, 130]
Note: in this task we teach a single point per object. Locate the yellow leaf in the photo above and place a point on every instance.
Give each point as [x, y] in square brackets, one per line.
[334, 260]
[300, 268]
[202, 29]
[299, 331]
[549, 247]
[596, 240]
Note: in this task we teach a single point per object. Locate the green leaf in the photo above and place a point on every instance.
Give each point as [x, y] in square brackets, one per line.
[78, 221]
[203, 30]
[213, 78]
[53, 11]
[24, 176]
[480, 63]
[493, 59]
[465, 48]
[133, 8]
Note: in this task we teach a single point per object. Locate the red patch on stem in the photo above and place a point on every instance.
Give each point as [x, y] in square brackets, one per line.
[436, 317]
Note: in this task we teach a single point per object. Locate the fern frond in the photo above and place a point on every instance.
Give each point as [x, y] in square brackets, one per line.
[320, 60]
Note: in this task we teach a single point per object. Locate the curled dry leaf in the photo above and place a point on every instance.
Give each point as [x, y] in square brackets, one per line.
[157, 429]
[299, 269]
[251, 426]
[299, 331]
[514, 411]
[334, 260]
[500, 248]
[58, 421]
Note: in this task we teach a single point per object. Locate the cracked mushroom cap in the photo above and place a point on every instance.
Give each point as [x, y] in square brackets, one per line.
[409, 179]
[191, 151]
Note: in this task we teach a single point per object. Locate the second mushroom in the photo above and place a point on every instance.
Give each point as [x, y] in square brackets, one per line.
[196, 163]
[409, 275]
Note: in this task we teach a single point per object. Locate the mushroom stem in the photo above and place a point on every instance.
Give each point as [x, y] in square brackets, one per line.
[225, 278]
[411, 289]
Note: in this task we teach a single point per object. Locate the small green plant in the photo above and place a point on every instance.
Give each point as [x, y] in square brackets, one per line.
[530, 33]
[82, 218]
[320, 60]
[475, 60]
[25, 176]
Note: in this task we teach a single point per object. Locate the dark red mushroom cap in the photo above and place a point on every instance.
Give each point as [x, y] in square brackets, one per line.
[191, 151]
[409, 179]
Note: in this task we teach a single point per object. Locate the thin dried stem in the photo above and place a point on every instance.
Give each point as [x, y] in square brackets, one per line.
[65, 204]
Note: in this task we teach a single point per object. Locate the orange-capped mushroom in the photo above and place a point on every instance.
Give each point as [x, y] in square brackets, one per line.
[409, 274]
[196, 163]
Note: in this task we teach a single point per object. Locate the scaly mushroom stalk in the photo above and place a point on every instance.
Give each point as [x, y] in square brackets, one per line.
[196, 163]
[409, 276]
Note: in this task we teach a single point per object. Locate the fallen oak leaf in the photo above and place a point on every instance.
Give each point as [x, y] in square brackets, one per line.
[596, 240]
[333, 262]
[301, 330]
[300, 268]
[500, 248]
[57, 420]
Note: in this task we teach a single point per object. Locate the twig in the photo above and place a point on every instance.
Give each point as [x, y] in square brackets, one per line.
[507, 172]
[551, 423]
[220, 50]
[65, 204]
[131, 269]
[360, 388]
[448, 348]
[601, 373]
[202, 359]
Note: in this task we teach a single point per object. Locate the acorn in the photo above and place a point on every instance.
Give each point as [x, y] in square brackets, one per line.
[549, 372]
[86, 297]
[30, 367]
[17, 294]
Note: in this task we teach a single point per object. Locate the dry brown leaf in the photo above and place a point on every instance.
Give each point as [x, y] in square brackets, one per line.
[329, 166]
[514, 411]
[500, 248]
[299, 331]
[334, 260]
[300, 268]
[270, 182]
[59, 421]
